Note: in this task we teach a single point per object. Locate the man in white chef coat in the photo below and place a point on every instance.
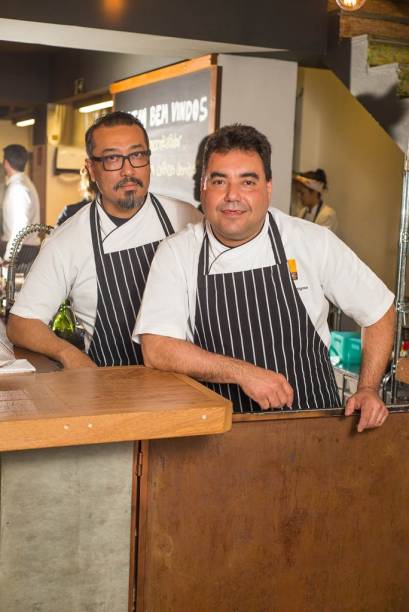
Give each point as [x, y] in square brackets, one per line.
[100, 257]
[21, 205]
[246, 294]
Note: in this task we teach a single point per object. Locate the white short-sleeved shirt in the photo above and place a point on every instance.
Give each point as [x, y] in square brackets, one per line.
[21, 207]
[65, 266]
[326, 268]
[326, 217]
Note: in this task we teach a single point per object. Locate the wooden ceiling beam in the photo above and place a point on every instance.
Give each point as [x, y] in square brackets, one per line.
[354, 25]
[380, 8]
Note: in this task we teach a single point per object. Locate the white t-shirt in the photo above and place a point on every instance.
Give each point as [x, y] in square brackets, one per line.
[326, 217]
[21, 207]
[326, 267]
[65, 266]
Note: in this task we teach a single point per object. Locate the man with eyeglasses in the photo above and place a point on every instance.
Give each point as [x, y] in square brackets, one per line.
[100, 258]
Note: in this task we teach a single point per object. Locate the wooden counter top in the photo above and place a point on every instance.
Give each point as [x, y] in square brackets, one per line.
[278, 415]
[92, 406]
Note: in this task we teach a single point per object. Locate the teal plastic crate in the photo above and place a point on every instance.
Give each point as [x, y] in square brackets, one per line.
[345, 347]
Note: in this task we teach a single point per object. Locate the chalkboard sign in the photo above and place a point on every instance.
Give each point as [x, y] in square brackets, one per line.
[177, 112]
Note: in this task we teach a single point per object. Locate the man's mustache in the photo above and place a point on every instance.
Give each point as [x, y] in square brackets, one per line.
[126, 181]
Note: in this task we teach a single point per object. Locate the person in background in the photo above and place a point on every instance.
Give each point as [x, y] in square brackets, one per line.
[310, 187]
[21, 205]
[99, 259]
[87, 196]
[2, 192]
[246, 295]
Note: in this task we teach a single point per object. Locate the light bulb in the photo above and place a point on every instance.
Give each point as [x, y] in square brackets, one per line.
[90, 108]
[25, 122]
[350, 5]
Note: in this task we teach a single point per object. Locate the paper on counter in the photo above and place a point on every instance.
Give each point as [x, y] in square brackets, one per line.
[6, 348]
[17, 366]
[6, 352]
[8, 363]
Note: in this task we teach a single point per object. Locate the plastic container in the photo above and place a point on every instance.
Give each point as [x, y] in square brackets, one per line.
[345, 347]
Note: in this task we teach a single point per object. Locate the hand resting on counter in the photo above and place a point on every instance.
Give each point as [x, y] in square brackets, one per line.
[34, 335]
[373, 411]
[377, 340]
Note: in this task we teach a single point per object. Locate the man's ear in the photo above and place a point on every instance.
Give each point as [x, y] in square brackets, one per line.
[6, 166]
[202, 192]
[90, 168]
[270, 188]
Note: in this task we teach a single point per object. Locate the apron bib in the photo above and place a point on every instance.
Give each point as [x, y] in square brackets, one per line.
[317, 212]
[121, 280]
[258, 316]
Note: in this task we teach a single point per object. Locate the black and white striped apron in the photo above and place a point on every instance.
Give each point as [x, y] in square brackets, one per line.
[258, 316]
[121, 280]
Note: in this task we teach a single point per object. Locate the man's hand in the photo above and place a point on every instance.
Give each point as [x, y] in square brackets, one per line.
[72, 358]
[377, 340]
[36, 336]
[373, 411]
[267, 388]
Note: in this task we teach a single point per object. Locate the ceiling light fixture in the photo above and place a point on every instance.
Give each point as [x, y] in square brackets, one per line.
[25, 122]
[350, 5]
[97, 106]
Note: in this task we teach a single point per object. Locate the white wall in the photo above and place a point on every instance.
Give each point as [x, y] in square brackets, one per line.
[364, 167]
[63, 127]
[61, 189]
[261, 92]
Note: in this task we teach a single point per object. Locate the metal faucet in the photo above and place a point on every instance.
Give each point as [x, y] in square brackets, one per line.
[14, 252]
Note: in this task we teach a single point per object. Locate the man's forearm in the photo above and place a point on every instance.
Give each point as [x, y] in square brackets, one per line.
[34, 335]
[171, 354]
[377, 342]
[269, 389]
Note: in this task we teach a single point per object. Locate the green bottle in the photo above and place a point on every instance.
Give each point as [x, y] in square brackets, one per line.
[63, 324]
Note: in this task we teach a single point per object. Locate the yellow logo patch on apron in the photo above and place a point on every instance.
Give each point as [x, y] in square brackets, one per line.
[292, 266]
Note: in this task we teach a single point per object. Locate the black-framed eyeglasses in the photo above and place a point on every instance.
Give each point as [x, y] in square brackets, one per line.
[115, 161]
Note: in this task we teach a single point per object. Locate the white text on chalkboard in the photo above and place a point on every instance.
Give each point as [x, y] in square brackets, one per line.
[179, 111]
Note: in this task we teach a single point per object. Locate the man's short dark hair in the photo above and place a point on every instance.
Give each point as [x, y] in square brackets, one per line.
[242, 138]
[110, 120]
[17, 156]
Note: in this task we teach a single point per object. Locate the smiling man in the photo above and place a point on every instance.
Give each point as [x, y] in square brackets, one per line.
[99, 259]
[246, 289]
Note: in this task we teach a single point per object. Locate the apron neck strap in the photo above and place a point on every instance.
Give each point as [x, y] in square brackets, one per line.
[276, 242]
[163, 217]
[317, 211]
[203, 266]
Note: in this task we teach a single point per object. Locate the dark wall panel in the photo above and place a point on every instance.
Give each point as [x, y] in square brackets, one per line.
[98, 69]
[24, 78]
